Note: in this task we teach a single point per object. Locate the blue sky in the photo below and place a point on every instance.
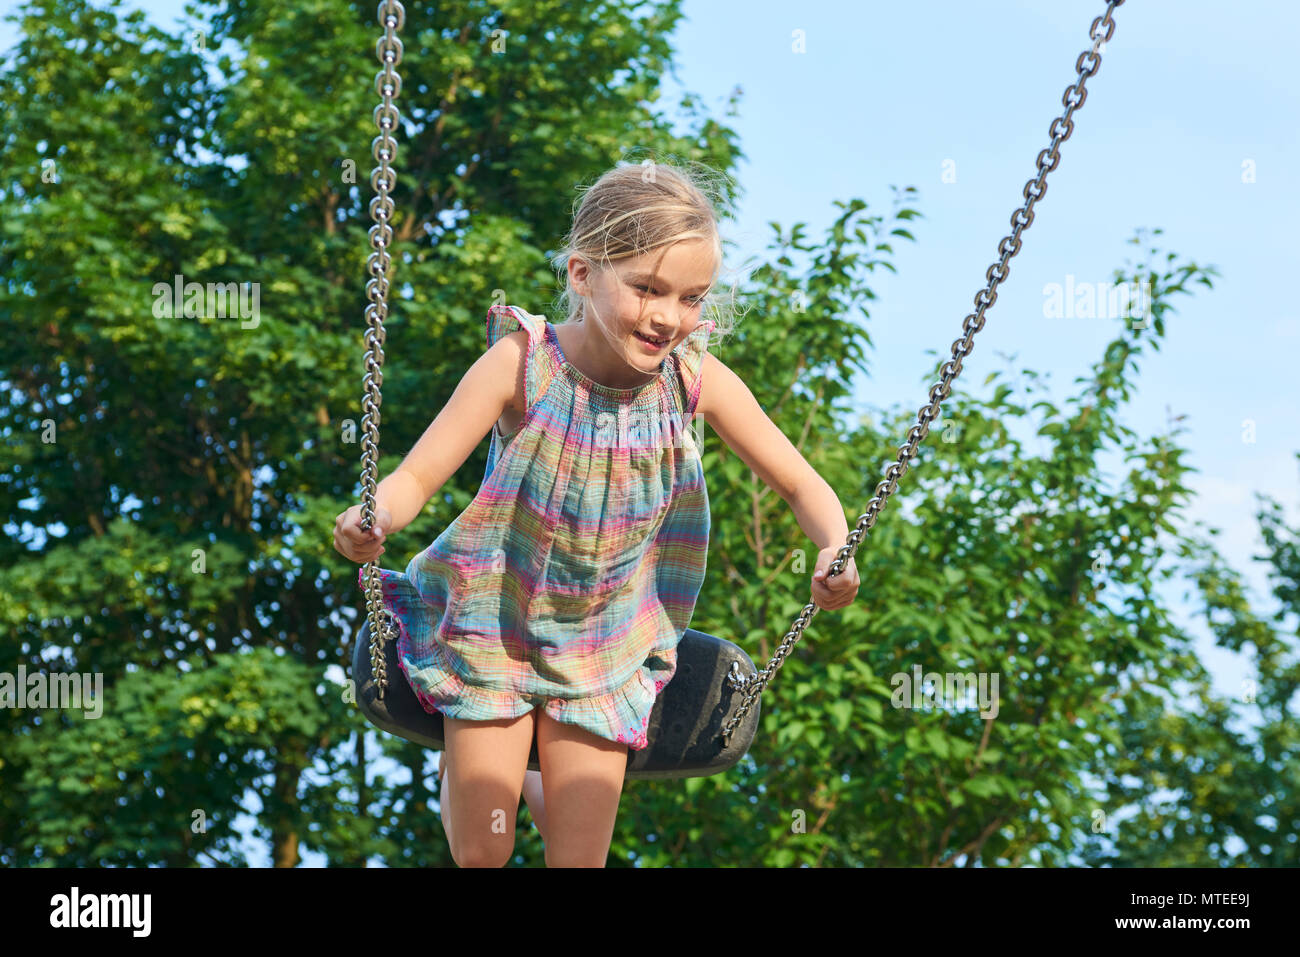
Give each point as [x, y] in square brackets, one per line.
[1189, 93]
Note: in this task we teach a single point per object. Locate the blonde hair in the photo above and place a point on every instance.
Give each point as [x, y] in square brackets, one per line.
[635, 208]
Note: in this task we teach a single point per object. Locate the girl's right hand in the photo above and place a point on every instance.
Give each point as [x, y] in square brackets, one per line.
[357, 545]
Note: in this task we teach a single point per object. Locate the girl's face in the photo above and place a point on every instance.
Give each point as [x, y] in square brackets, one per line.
[645, 306]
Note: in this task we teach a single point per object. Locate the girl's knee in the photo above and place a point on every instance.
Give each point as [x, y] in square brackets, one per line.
[481, 854]
[483, 841]
[483, 838]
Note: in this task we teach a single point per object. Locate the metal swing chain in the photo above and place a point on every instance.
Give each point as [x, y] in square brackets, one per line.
[383, 179]
[1035, 189]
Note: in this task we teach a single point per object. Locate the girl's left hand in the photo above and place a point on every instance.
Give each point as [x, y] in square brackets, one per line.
[832, 593]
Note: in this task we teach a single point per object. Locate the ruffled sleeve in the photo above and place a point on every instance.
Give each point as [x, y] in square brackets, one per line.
[503, 320]
[690, 364]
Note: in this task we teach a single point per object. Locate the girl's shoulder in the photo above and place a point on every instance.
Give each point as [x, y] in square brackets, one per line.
[689, 359]
[539, 363]
[504, 319]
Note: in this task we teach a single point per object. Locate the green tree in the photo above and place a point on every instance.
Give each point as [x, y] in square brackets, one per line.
[1195, 780]
[171, 480]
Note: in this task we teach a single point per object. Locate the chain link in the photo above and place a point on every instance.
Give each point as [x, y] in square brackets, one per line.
[383, 180]
[1035, 189]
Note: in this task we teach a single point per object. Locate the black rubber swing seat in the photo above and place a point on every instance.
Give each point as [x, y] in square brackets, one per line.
[685, 726]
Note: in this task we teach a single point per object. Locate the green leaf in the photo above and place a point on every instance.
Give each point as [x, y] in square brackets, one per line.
[937, 742]
[981, 786]
[842, 713]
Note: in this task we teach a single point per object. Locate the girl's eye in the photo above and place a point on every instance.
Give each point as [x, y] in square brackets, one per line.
[693, 300]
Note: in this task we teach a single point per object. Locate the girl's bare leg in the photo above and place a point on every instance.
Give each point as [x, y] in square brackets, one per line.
[582, 777]
[480, 793]
[533, 795]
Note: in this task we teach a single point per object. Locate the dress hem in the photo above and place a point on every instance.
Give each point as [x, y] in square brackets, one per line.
[440, 688]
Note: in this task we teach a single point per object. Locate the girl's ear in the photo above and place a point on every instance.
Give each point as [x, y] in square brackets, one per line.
[579, 276]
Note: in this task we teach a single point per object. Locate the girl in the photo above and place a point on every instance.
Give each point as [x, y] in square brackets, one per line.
[553, 605]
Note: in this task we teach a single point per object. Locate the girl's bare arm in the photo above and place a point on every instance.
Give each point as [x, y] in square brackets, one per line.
[492, 384]
[732, 411]
[727, 404]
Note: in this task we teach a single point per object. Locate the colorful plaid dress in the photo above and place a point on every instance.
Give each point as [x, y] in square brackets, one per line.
[569, 580]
